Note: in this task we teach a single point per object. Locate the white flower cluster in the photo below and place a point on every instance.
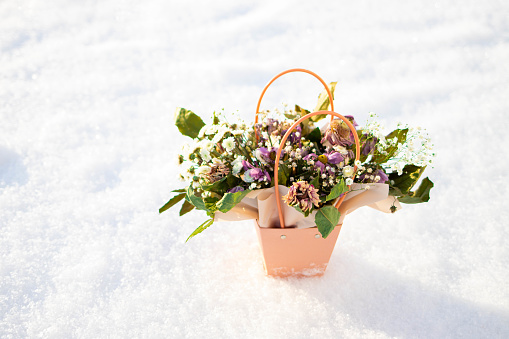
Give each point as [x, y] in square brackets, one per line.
[375, 128]
[237, 164]
[417, 150]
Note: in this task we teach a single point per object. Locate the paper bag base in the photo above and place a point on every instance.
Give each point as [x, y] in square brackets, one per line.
[300, 252]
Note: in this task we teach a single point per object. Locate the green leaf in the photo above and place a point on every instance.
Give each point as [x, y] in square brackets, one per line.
[307, 125]
[382, 158]
[308, 212]
[172, 202]
[187, 122]
[420, 195]
[210, 204]
[337, 190]
[301, 111]
[229, 200]
[224, 184]
[232, 181]
[283, 174]
[326, 219]
[215, 120]
[220, 186]
[315, 135]
[201, 228]
[186, 207]
[181, 190]
[407, 179]
[395, 192]
[316, 181]
[323, 99]
[193, 199]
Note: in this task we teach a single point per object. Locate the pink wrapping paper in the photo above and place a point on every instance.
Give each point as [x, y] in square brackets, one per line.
[261, 205]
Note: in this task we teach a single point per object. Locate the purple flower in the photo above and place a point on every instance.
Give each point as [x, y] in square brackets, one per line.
[383, 177]
[256, 174]
[369, 145]
[352, 120]
[320, 161]
[276, 128]
[272, 125]
[246, 165]
[294, 137]
[317, 163]
[338, 133]
[334, 158]
[310, 156]
[265, 155]
[235, 189]
[303, 195]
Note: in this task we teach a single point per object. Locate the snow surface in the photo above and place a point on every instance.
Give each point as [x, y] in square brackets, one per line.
[87, 156]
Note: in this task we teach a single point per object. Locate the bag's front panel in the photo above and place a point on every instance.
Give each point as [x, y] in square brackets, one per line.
[292, 251]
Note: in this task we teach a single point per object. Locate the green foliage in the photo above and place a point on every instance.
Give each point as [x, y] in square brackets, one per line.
[316, 181]
[323, 99]
[229, 200]
[232, 180]
[306, 124]
[337, 190]
[215, 119]
[201, 228]
[283, 174]
[315, 135]
[400, 185]
[172, 202]
[301, 111]
[219, 187]
[308, 212]
[210, 204]
[186, 207]
[193, 199]
[326, 219]
[420, 195]
[187, 122]
[401, 135]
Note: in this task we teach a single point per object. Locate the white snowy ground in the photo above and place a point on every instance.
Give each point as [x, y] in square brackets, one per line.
[87, 156]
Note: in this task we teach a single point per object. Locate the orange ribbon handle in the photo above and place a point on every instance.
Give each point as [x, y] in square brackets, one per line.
[290, 71]
[283, 142]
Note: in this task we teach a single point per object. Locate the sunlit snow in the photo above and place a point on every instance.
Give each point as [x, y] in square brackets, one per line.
[88, 155]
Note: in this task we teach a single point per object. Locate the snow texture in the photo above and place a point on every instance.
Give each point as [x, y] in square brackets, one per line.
[88, 150]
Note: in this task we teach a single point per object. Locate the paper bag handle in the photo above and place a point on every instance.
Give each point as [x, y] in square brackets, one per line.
[290, 71]
[282, 145]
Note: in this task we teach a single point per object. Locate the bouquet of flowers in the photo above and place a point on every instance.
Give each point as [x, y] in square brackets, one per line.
[229, 166]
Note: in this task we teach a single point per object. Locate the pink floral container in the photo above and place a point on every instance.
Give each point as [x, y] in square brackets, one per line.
[289, 251]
